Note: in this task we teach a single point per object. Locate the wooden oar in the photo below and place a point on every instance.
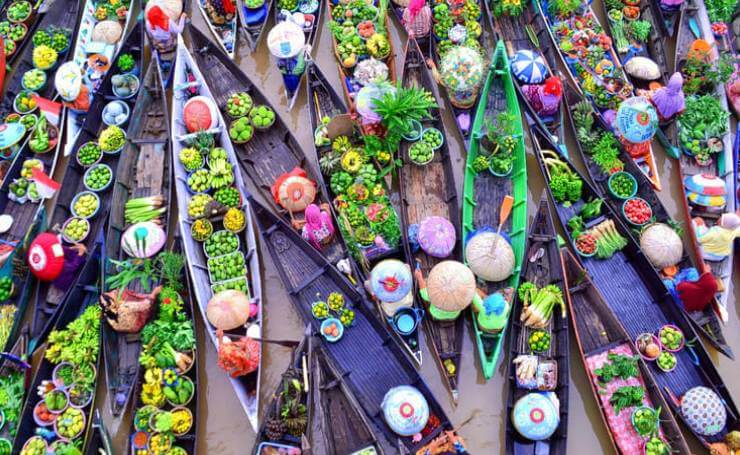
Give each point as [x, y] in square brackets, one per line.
[503, 215]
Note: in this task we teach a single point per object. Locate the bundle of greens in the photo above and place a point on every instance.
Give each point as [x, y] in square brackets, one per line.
[539, 304]
[565, 184]
[626, 397]
[399, 109]
[608, 239]
[79, 342]
[11, 399]
[618, 366]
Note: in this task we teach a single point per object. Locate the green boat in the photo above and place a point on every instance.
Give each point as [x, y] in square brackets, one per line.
[484, 190]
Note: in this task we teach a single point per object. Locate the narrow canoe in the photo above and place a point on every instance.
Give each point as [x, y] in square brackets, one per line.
[270, 153]
[542, 267]
[143, 171]
[100, 440]
[485, 192]
[189, 440]
[598, 333]
[645, 159]
[706, 322]
[638, 298]
[349, 86]
[189, 80]
[365, 348]
[85, 294]
[669, 17]
[224, 34]
[37, 12]
[294, 390]
[694, 19]
[429, 190]
[62, 14]
[464, 117]
[331, 396]
[528, 31]
[14, 369]
[75, 120]
[254, 21]
[310, 35]
[49, 299]
[324, 102]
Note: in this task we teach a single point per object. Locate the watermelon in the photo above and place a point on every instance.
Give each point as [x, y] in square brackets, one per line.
[200, 113]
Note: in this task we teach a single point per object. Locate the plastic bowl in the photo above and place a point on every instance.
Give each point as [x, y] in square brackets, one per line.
[18, 96]
[415, 132]
[89, 170]
[683, 338]
[124, 107]
[118, 150]
[326, 323]
[438, 133]
[646, 336]
[39, 422]
[630, 177]
[669, 369]
[67, 239]
[100, 156]
[133, 92]
[79, 195]
[45, 79]
[634, 413]
[629, 220]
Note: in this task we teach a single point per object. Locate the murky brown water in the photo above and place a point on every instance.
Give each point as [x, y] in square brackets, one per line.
[223, 428]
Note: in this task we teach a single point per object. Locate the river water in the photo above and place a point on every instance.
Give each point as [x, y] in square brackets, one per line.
[480, 413]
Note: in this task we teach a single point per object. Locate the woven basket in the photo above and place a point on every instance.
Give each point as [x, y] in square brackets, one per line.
[421, 25]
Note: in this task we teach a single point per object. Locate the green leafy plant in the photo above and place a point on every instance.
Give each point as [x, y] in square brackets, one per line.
[605, 154]
[511, 8]
[126, 62]
[170, 265]
[618, 366]
[398, 109]
[563, 8]
[565, 184]
[11, 399]
[626, 397]
[640, 30]
[720, 10]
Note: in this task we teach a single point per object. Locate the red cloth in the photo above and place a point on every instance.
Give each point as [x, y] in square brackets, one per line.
[696, 295]
[46, 257]
[157, 18]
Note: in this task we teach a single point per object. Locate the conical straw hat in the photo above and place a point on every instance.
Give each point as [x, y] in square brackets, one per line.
[489, 257]
[451, 286]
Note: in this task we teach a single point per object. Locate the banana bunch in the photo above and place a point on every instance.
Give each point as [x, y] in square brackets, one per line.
[222, 174]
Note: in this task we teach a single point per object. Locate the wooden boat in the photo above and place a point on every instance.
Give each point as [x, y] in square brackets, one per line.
[100, 441]
[484, 192]
[694, 20]
[464, 117]
[254, 21]
[80, 55]
[306, 274]
[17, 269]
[349, 86]
[429, 190]
[293, 392]
[270, 154]
[528, 31]
[706, 322]
[332, 396]
[144, 170]
[644, 158]
[166, 60]
[542, 267]
[189, 80]
[635, 293]
[324, 102]
[189, 440]
[61, 14]
[670, 18]
[599, 333]
[49, 299]
[14, 366]
[310, 34]
[224, 34]
[85, 293]
[37, 12]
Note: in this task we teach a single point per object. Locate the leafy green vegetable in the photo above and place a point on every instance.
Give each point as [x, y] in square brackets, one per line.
[591, 209]
[619, 366]
[626, 397]
[565, 184]
[11, 399]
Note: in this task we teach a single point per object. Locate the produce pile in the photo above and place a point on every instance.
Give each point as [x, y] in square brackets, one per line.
[166, 401]
[64, 401]
[361, 41]
[496, 151]
[626, 26]
[588, 50]
[334, 314]
[457, 23]
[7, 312]
[702, 126]
[24, 187]
[247, 116]
[365, 216]
[11, 404]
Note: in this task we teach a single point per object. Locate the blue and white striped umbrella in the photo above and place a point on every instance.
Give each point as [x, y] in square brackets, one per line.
[528, 67]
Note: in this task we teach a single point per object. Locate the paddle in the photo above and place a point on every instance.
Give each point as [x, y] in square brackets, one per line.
[503, 215]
